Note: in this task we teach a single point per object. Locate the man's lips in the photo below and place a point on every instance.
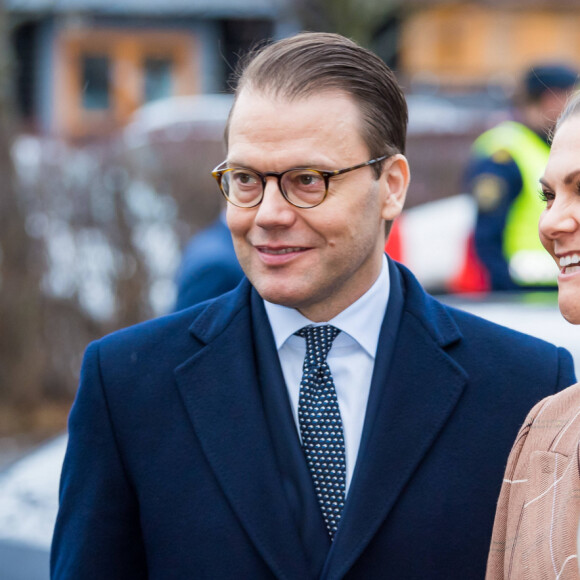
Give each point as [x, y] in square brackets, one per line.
[280, 251]
[279, 255]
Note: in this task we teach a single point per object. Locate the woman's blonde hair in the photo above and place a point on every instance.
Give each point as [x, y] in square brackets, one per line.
[571, 109]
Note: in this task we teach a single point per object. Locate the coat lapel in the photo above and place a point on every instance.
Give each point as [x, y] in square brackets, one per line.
[219, 386]
[415, 393]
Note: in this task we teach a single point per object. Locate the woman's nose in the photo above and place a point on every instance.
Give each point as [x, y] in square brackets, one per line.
[560, 218]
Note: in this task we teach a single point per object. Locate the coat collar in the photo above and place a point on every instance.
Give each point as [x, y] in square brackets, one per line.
[414, 392]
[226, 411]
[213, 317]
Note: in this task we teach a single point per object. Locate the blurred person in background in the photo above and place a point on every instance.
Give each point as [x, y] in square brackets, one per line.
[209, 266]
[504, 252]
[535, 530]
[327, 419]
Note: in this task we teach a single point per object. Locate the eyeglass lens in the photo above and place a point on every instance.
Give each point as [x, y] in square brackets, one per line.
[302, 187]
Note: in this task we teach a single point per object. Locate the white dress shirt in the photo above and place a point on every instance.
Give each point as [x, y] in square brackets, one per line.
[351, 358]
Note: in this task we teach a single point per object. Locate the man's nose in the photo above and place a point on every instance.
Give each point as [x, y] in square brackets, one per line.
[274, 211]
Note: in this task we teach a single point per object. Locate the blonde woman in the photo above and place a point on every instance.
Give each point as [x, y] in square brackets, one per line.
[535, 530]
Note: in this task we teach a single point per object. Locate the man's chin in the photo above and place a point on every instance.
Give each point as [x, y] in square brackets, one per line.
[282, 293]
[282, 298]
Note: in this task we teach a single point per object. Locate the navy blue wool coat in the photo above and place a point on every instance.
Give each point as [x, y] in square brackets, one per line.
[183, 461]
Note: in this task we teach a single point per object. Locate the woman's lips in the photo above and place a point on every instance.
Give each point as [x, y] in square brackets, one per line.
[569, 264]
[569, 270]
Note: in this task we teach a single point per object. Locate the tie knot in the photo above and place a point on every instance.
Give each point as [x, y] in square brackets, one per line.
[319, 340]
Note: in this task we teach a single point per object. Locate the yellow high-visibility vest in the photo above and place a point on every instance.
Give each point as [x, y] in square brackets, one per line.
[528, 261]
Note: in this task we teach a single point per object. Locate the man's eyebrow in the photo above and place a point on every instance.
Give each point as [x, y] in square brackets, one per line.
[320, 166]
[232, 163]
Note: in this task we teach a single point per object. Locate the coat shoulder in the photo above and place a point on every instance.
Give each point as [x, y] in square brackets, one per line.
[450, 325]
[171, 337]
[478, 329]
[558, 412]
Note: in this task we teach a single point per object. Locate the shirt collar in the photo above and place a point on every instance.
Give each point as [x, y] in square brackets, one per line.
[362, 320]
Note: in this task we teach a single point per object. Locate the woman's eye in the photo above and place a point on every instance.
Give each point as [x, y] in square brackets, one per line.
[546, 195]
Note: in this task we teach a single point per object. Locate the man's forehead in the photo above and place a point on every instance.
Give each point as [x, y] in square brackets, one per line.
[273, 133]
[250, 96]
[320, 109]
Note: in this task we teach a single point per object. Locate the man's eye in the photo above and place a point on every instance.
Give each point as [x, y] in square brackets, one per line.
[307, 179]
[245, 178]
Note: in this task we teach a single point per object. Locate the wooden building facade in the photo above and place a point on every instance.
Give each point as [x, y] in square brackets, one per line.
[84, 66]
[487, 41]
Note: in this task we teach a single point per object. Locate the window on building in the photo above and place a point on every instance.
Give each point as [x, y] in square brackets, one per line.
[24, 41]
[238, 37]
[106, 74]
[96, 84]
[157, 76]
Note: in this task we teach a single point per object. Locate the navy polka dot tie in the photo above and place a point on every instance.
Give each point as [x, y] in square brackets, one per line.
[321, 425]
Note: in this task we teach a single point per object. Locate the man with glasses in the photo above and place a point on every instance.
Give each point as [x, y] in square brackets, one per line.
[327, 418]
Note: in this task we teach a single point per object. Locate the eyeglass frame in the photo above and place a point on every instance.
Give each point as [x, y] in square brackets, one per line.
[326, 175]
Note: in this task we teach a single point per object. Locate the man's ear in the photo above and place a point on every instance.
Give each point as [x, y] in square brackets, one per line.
[396, 177]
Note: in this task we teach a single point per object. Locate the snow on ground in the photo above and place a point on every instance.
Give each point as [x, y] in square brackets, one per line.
[29, 495]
